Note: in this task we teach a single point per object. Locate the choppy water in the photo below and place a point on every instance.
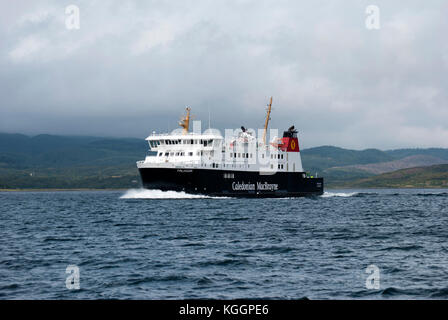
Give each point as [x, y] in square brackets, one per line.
[146, 245]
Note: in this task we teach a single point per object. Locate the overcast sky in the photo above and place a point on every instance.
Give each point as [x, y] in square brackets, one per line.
[133, 66]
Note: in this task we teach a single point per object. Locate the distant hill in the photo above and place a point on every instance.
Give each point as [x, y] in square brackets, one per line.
[321, 158]
[340, 166]
[51, 161]
[434, 152]
[421, 177]
[20, 151]
[389, 166]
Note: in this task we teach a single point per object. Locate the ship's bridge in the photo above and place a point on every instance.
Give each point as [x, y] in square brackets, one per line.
[178, 149]
[183, 141]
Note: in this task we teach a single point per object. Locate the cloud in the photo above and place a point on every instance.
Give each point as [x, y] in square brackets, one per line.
[132, 67]
[27, 48]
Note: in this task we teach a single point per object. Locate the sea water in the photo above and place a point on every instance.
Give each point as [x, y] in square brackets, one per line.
[150, 244]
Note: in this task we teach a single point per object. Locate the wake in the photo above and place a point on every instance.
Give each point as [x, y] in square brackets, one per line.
[338, 194]
[159, 194]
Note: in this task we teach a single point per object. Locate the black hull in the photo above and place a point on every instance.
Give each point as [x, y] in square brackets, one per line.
[242, 184]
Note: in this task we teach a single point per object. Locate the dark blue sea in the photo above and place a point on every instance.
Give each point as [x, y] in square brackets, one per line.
[140, 244]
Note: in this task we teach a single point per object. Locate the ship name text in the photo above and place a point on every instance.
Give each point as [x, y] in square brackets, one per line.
[263, 186]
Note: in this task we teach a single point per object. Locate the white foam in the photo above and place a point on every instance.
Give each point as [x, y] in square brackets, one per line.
[159, 194]
[338, 194]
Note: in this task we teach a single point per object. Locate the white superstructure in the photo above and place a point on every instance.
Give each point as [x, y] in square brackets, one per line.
[211, 151]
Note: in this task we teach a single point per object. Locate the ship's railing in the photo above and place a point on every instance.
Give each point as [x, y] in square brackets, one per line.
[189, 164]
[188, 134]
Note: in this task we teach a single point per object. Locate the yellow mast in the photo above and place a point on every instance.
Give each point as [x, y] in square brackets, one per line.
[268, 117]
[185, 121]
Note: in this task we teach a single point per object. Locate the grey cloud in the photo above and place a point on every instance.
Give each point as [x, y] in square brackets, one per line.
[132, 68]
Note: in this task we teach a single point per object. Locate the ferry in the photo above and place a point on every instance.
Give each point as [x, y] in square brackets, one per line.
[239, 165]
